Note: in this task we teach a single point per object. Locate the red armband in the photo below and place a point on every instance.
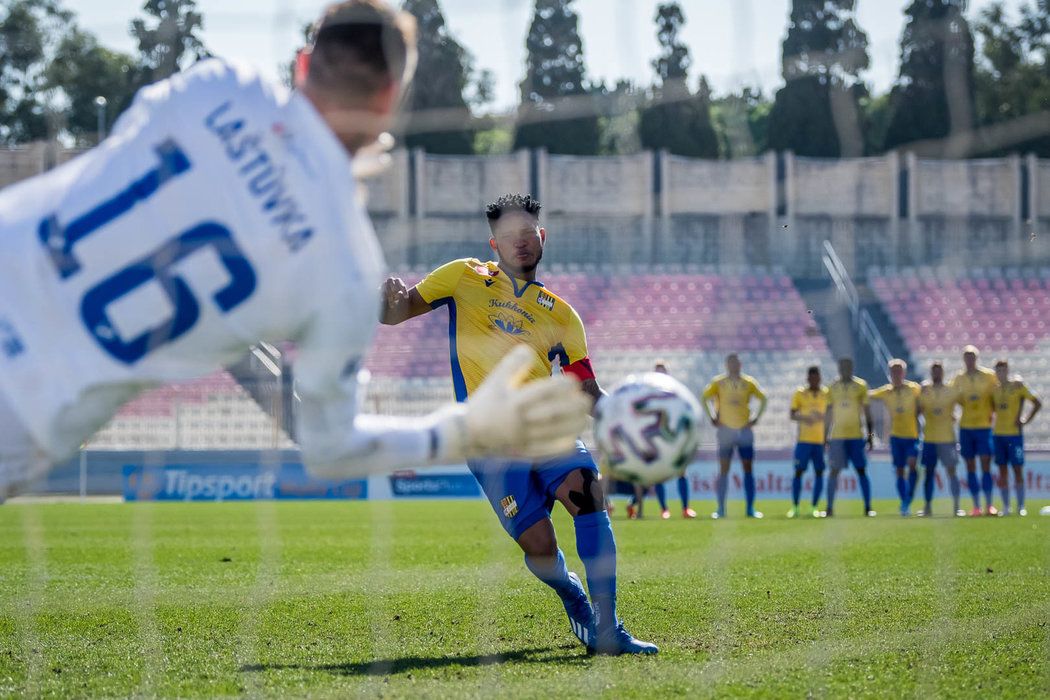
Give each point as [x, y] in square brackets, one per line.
[581, 369]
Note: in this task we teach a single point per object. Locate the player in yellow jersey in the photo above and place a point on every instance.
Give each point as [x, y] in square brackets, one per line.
[901, 398]
[975, 386]
[848, 402]
[938, 401]
[809, 408]
[1007, 437]
[494, 307]
[731, 393]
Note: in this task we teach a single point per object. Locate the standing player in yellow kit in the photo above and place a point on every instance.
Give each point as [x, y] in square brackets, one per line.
[975, 386]
[731, 393]
[809, 408]
[1007, 438]
[901, 398]
[848, 402]
[937, 401]
[493, 308]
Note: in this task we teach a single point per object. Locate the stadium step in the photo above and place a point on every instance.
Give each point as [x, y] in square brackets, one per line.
[888, 329]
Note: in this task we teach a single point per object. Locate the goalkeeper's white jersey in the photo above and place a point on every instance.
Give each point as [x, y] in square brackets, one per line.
[221, 211]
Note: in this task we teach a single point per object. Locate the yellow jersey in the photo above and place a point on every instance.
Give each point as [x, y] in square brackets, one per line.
[1008, 401]
[938, 404]
[733, 399]
[903, 404]
[975, 394]
[489, 313]
[815, 405]
[847, 400]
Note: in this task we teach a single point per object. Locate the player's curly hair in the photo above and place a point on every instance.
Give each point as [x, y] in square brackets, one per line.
[512, 202]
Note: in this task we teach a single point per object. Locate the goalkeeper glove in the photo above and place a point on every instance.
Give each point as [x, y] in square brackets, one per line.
[507, 417]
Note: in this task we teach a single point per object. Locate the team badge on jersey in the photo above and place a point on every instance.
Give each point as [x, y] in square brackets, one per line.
[508, 324]
[509, 505]
[545, 300]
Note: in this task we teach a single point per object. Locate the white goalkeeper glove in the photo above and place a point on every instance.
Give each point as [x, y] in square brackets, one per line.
[507, 417]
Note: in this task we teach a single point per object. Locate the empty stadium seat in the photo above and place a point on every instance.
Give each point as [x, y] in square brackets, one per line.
[1002, 312]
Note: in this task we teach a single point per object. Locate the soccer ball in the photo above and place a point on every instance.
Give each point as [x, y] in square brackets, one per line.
[647, 428]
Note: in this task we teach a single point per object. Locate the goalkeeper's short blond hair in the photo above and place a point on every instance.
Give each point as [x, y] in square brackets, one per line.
[359, 47]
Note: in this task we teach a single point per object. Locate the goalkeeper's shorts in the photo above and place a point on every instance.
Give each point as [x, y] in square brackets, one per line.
[522, 493]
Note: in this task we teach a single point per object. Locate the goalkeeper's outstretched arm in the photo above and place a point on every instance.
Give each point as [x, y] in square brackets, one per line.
[504, 418]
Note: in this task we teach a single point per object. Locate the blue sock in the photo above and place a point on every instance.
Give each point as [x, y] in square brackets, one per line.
[749, 491]
[818, 486]
[833, 485]
[1004, 490]
[913, 479]
[796, 488]
[986, 485]
[953, 486]
[683, 491]
[661, 495]
[902, 490]
[865, 488]
[928, 484]
[553, 572]
[597, 549]
[722, 483]
[1019, 490]
[975, 488]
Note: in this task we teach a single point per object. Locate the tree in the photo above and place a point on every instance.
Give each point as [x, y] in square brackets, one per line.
[934, 95]
[29, 32]
[1012, 78]
[437, 116]
[817, 112]
[676, 119]
[741, 123]
[168, 37]
[619, 117]
[557, 107]
[83, 70]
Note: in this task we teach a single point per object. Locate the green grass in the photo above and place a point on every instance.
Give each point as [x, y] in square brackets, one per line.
[431, 599]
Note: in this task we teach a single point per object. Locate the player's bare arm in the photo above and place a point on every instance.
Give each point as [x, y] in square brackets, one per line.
[1037, 405]
[763, 402]
[798, 416]
[871, 428]
[400, 303]
[827, 422]
[711, 414]
[592, 389]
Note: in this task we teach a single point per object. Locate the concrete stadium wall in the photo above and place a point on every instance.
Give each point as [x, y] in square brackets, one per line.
[656, 208]
[718, 187]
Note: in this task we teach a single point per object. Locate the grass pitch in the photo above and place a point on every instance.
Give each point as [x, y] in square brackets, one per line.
[432, 599]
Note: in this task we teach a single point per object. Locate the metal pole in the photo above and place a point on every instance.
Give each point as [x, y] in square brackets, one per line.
[100, 103]
[83, 475]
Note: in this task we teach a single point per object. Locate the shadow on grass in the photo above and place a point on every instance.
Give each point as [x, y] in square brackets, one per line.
[406, 664]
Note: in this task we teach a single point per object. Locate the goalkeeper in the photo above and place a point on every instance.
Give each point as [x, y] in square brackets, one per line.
[222, 212]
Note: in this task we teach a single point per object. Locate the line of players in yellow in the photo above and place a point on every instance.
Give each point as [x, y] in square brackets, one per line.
[836, 421]
[990, 424]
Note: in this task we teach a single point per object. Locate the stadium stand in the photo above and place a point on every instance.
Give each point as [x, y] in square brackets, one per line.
[213, 412]
[1004, 312]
